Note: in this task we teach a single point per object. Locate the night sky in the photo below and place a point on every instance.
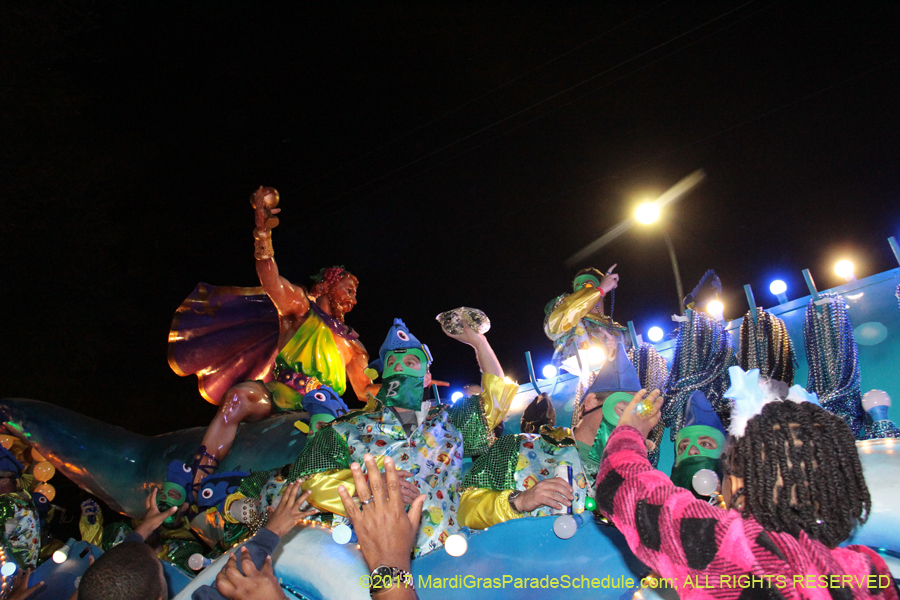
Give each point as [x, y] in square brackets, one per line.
[448, 154]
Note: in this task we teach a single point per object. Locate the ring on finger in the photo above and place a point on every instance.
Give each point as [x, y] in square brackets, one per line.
[364, 502]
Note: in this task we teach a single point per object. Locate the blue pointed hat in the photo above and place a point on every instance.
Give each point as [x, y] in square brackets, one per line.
[698, 411]
[324, 401]
[8, 462]
[398, 338]
[616, 375]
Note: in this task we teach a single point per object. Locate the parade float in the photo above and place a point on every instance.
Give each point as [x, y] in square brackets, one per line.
[837, 343]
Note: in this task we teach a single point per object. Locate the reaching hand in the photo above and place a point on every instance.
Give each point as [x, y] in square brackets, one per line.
[642, 412]
[153, 518]
[21, 591]
[252, 584]
[408, 490]
[553, 492]
[610, 281]
[285, 517]
[385, 531]
[466, 336]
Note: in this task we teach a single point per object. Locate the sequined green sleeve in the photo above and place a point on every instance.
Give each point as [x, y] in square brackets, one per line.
[327, 451]
[495, 469]
[467, 415]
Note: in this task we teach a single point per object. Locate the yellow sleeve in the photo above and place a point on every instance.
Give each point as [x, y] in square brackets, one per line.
[571, 310]
[479, 508]
[497, 397]
[324, 487]
[92, 534]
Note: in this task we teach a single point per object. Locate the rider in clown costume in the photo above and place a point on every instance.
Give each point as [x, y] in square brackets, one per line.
[427, 443]
[577, 321]
[17, 511]
[528, 485]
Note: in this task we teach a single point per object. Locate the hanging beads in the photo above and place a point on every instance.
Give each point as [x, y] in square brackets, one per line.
[703, 353]
[833, 360]
[766, 345]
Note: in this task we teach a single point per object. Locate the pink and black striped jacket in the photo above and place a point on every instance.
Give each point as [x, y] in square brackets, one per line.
[706, 552]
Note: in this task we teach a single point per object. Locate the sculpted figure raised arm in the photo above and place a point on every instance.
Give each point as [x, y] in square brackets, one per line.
[315, 347]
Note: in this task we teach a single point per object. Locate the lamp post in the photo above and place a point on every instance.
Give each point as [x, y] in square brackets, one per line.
[647, 214]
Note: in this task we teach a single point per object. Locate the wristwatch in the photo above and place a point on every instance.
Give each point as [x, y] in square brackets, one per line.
[512, 498]
[385, 578]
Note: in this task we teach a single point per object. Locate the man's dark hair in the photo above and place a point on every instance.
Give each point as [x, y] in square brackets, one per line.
[128, 571]
[821, 490]
[539, 412]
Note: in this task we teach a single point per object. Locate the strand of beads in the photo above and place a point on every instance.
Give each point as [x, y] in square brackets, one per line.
[766, 345]
[652, 373]
[703, 353]
[832, 355]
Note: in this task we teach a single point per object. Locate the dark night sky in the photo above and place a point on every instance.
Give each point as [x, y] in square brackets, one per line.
[449, 155]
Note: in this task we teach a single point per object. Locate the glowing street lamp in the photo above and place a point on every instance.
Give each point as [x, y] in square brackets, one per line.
[844, 268]
[778, 288]
[647, 213]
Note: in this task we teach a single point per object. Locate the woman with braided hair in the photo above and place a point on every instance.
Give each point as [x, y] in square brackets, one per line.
[793, 490]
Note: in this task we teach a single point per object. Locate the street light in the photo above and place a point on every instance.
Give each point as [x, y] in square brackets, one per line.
[648, 213]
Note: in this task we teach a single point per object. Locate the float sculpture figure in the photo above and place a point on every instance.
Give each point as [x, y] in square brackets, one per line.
[314, 346]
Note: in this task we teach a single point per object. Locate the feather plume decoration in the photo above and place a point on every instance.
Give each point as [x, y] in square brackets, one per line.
[749, 396]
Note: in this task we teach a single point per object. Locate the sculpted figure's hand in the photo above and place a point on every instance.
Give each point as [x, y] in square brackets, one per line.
[264, 202]
[553, 493]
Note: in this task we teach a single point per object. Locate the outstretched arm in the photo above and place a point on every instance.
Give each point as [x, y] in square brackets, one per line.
[498, 392]
[288, 298]
[487, 360]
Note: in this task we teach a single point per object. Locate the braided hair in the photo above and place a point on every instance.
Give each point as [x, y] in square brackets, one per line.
[801, 472]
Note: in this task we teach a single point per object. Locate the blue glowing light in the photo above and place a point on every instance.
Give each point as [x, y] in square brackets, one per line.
[778, 287]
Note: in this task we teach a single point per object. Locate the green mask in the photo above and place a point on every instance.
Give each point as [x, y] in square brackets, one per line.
[405, 370]
[314, 421]
[402, 391]
[581, 280]
[683, 471]
[610, 420]
[171, 495]
[693, 433]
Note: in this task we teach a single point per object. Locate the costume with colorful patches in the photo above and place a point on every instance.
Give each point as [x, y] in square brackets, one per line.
[432, 450]
[528, 458]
